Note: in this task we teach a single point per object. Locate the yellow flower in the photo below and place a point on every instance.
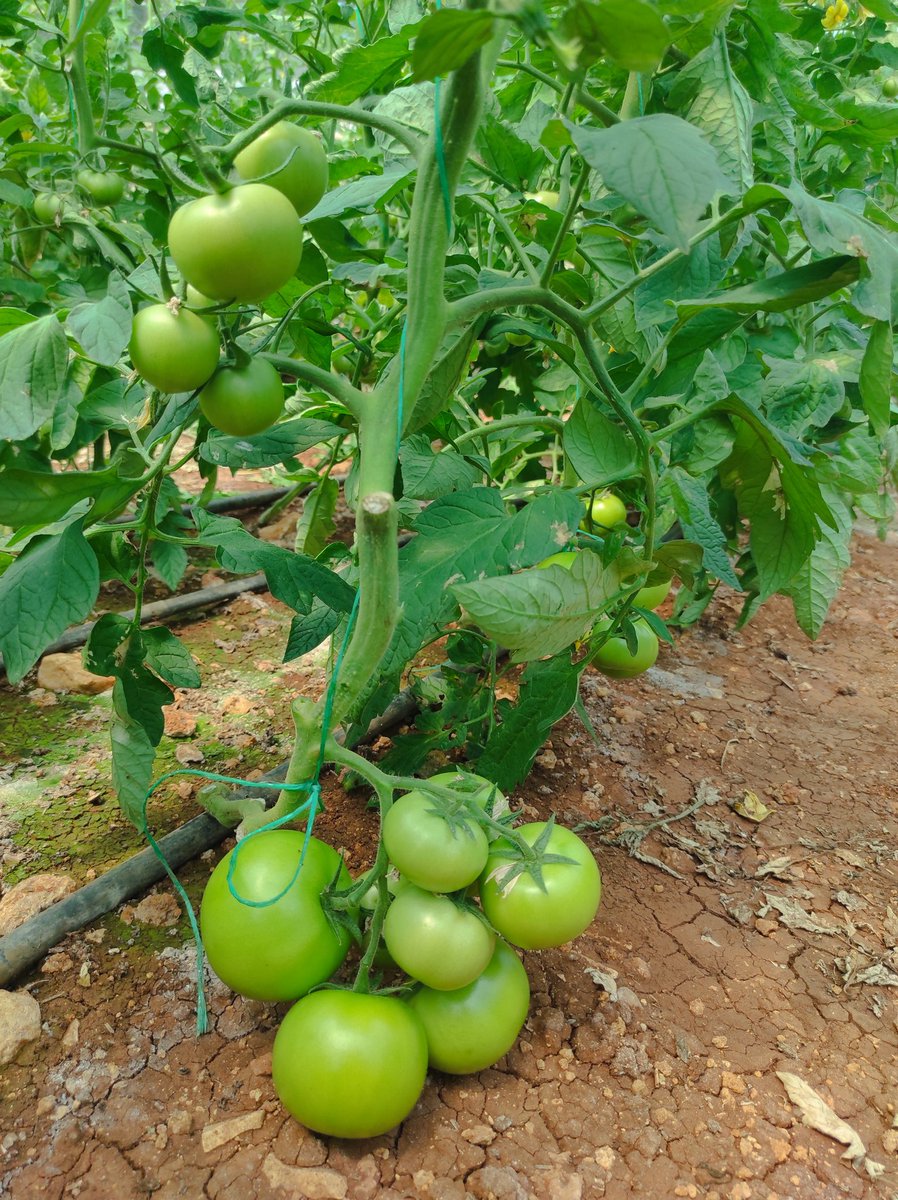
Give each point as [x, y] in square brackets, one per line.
[835, 15]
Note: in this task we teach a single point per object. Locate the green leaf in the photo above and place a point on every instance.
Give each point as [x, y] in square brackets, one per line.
[447, 39]
[103, 329]
[133, 754]
[778, 293]
[316, 524]
[33, 361]
[720, 106]
[308, 631]
[875, 380]
[693, 509]
[164, 51]
[693, 274]
[51, 585]
[103, 641]
[279, 444]
[293, 578]
[540, 612]
[598, 449]
[364, 195]
[820, 577]
[799, 395]
[362, 69]
[662, 165]
[169, 658]
[169, 561]
[548, 692]
[38, 497]
[450, 364]
[507, 154]
[427, 475]
[629, 32]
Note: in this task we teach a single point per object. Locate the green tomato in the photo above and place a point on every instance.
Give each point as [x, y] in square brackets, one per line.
[173, 351]
[607, 511]
[565, 558]
[290, 159]
[348, 1064]
[890, 87]
[653, 596]
[435, 941]
[241, 246]
[533, 916]
[47, 206]
[105, 187]
[547, 198]
[470, 1029]
[614, 658]
[282, 950]
[427, 850]
[243, 400]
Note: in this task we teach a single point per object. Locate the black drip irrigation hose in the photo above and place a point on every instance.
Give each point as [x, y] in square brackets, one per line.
[224, 504]
[25, 946]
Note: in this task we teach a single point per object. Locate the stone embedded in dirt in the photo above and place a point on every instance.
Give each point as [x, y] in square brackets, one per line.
[225, 1131]
[189, 754]
[312, 1183]
[237, 706]
[20, 1023]
[261, 1065]
[42, 698]
[30, 897]
[158, 909]
[66, 673]
[71, 1036]
[548, 760]
[479, 1135]
[178, 723]
[57, 963]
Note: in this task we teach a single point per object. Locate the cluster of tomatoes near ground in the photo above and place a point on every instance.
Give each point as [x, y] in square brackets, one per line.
[439, 931]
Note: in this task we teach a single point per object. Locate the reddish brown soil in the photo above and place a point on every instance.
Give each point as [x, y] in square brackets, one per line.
[648, 1065]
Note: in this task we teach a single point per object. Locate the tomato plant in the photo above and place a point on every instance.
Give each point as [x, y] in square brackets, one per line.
[653, 595]
[290, 159]
[546, 906]
[243, 399]
[280, 951]
[471, 1028]
[349, 1065]
[890, 86]
[435, 940]
[432, 852]
[615, 658]
[242, 245]
[175, 351]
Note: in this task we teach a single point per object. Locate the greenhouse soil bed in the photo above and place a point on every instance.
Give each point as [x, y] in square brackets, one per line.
[648, 1066]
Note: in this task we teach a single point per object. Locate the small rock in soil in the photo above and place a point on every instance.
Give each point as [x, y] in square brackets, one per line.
[225, 1131]
[178, 723]
[158, 909]
[20, 1023]
[30, 897]
[57, 963]
[237, 706]
[66, 673]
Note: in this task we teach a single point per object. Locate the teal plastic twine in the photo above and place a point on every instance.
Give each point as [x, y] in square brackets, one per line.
[312, 806]
[641, 96]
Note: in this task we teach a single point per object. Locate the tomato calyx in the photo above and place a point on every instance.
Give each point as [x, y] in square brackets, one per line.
[523, 858]
[341, 908]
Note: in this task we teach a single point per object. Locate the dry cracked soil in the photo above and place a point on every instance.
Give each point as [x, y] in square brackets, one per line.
[727, 952]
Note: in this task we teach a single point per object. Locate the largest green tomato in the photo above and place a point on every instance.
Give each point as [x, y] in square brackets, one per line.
[241, 246]
[282, 950]
[471, 1028]
[291, 159]
[349, 1065]
[173, 351]
[536, 915]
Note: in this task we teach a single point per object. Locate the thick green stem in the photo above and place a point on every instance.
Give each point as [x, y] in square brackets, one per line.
[325, 381]
[78, 81]
[630, 105]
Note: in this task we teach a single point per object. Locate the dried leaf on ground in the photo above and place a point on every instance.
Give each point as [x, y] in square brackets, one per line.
[752, 807]
[793, 916]
[817, 1114]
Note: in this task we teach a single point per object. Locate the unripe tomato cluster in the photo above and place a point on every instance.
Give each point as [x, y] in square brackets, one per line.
[353, 1063]
[233, 248]
[615, 657]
